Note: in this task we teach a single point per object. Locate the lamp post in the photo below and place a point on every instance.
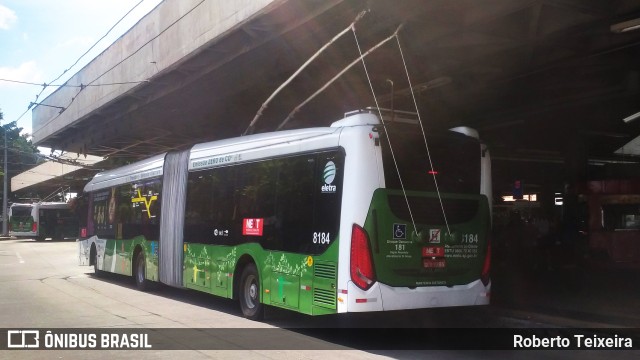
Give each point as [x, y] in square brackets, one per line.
[4, 193]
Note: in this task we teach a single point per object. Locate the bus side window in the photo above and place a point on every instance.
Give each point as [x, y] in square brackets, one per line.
[142, 216]
[294, 204]
[209, 210]
[255, 199]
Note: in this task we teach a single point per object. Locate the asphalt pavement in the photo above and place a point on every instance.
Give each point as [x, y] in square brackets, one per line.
[575, 295]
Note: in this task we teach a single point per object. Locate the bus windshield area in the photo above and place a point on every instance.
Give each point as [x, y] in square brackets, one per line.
[455, 158]
[21, 211]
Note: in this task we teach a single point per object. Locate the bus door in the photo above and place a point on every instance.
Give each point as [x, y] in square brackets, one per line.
[305, 229]
[285, 289]
[48, 222]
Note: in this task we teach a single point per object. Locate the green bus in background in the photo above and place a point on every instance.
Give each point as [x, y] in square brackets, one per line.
[353, 217]
[43, 220]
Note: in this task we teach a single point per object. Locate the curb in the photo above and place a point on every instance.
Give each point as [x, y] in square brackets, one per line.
[579, 320]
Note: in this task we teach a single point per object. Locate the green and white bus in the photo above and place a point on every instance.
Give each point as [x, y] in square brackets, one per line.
[314, 220]
[42, 220]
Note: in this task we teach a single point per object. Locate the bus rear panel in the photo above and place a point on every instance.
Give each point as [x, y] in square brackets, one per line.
[23, 220]
[425, 239]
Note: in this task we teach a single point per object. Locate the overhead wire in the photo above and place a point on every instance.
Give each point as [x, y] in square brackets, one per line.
[284, 84]
[102, 38]
[375, 99]
[337, 76]
[83, 86]
[73, 86]
[424, 135]
[45, 85]
[126, 58]
[58, 191]
[44, 157]
[68, 162]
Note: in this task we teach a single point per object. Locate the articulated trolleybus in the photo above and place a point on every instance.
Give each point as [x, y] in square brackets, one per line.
[319, 221]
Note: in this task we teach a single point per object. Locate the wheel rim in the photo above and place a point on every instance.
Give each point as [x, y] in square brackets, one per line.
[251, 292]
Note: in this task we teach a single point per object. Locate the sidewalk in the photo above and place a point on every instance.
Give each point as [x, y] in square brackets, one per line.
[583, 297]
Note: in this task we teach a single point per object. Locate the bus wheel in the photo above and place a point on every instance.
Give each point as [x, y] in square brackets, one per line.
[249, 294]
[139, 272]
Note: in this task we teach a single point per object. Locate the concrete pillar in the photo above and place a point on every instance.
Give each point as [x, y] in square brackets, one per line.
[576, 161]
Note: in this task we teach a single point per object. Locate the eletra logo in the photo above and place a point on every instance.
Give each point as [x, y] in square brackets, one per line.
[329, 174]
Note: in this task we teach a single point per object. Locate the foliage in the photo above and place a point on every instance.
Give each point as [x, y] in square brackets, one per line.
[22, 155]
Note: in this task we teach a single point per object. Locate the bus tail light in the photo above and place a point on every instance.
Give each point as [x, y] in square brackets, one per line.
[34, 227]
[486, 267]
[362, 272]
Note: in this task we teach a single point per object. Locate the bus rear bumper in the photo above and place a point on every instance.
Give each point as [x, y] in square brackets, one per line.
[385, 298]
[23, 234]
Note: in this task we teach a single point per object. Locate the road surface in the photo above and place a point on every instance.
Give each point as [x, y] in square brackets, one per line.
[42, 287]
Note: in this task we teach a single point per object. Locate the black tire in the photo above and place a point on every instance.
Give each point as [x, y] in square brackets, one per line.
[249, 294]
[40, 238]
[139, 272]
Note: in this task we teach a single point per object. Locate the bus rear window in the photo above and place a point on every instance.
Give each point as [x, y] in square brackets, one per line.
[455, 158]
[21, 211]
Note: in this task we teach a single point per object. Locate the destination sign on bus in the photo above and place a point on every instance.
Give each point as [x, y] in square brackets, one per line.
[215, 161]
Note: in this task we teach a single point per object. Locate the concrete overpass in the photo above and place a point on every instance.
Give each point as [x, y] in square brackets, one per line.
[68, 174]
[543, 80]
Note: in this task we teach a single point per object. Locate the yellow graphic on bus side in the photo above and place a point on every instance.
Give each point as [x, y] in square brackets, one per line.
[147, 203]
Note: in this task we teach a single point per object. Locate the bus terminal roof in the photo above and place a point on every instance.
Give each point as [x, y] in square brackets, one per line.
[539, 79]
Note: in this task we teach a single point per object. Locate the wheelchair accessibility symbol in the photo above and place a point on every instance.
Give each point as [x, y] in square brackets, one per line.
[399, 231]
